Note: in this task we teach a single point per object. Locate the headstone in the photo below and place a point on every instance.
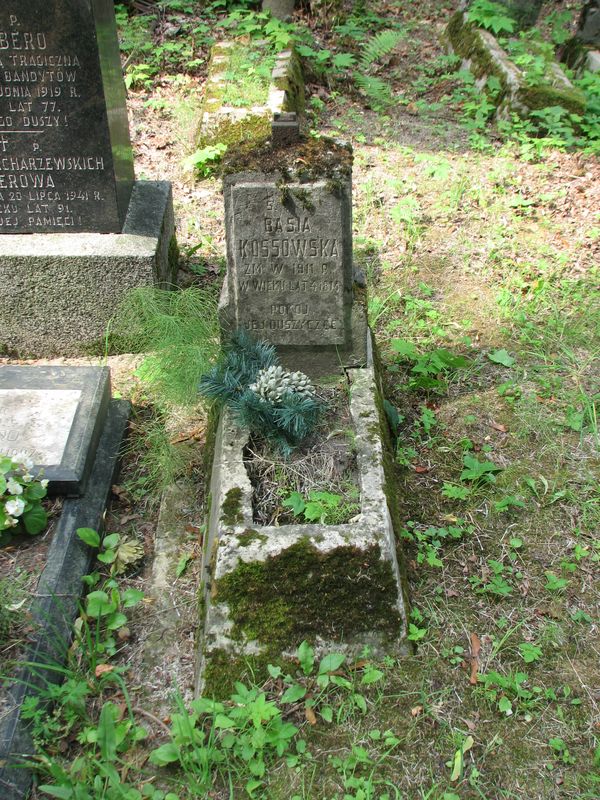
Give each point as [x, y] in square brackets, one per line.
[54, 416]
[290, 276]
[65, 157]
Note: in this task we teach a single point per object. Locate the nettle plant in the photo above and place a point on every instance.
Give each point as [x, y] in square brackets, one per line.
[21, 495]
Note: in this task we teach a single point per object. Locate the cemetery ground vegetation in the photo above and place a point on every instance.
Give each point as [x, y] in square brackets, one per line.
[480, 244]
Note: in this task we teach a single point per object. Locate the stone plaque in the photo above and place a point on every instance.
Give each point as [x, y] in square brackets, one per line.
[290, 262]
[37, 422]
[65, 154]
[55, 416]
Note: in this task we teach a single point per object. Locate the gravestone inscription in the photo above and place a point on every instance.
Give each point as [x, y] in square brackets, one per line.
[65, 156]
[290, 262]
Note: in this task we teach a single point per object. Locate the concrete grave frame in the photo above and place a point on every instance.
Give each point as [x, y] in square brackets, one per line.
[234, 126]
[482, 55]
[267, 588]
[56, 601]
[60, 290]
[69, 477]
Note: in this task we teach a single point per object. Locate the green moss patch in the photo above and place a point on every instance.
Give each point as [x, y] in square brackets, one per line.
[302, 593]
[231, 513]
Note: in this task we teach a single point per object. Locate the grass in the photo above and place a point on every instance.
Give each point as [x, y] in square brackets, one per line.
[472, 252]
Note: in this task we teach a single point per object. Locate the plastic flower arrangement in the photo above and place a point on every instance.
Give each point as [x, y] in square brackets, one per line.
[21, 495]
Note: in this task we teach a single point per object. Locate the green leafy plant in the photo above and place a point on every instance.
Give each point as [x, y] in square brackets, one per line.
[478, 472]
[270, 401]
[323, 507]
[428, 368]
[119, 552]
[205, 160]
[178, 332]
[429, 540]
[21, 495]
[491, 16]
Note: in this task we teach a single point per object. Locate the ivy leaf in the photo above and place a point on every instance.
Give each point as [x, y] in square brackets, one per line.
[183, 564]
[405, 348]
[505, 706]
[99, 604]
[165, 754]
[293, 694]
[501, 357]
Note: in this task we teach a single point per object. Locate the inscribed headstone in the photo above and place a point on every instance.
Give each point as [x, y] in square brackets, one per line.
[65, 155]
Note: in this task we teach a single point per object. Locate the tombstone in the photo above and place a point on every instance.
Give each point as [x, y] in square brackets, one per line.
[54, 416]
[64, 140]
[290, 276]
[67, 180]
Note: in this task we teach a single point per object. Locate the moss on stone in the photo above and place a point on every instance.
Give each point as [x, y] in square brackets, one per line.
[308, 160]
[231, 507]
[247, 132]
[302, 593]
[545, 96]
[250, 535]
[223, 669]
[467, 43]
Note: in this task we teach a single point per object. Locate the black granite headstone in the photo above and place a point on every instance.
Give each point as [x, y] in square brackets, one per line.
[65, 155]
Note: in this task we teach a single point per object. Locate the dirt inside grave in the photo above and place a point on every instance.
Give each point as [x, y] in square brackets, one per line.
[324, 463]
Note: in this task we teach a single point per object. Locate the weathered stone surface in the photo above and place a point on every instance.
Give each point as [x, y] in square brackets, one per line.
[74, 282]
[592, 62]
[65, 155]
[290, 260]
[55, 604]
[280, 9]
[290, 277]
[589, 24]
[55, 416]
[248, 126]
[483, 56]
[267, 588]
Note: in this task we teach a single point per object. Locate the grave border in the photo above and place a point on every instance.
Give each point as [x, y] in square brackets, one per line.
[56, 601]
[71, 475]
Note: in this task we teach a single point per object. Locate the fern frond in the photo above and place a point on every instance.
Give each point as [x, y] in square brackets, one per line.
[378, 91]
[379, 46]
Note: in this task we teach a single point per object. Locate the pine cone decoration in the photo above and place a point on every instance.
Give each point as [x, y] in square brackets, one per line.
[274, 382]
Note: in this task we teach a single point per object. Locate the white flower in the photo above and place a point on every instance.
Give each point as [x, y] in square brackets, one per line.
[44, 483]
[27, 477]
[23, 458]
[10, 522]
[15, 507]
[13, 486]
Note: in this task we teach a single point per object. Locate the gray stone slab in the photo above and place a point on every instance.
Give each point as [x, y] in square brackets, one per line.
[290, 276]
[56, 603]
[65, 154]
[75, 281]
[291, 262]
[236, 546]
[55, 416]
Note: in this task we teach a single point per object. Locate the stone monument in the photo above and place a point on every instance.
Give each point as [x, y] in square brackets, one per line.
[67, 180]
[290, 281]
[290, 278]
